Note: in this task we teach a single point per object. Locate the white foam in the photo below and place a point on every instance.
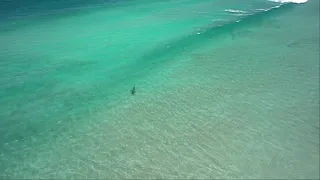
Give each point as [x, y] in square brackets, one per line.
[234, 11]
[268, 9]
[290, 1]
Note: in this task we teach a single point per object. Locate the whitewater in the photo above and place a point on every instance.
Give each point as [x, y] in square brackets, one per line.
[291, 1]
[224, 89]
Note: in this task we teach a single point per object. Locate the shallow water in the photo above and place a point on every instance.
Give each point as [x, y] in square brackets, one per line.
[221, 93]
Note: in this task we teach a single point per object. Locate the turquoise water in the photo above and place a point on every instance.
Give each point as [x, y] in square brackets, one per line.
[225, 89]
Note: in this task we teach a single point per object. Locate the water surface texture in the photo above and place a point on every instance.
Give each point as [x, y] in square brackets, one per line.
[224, 89]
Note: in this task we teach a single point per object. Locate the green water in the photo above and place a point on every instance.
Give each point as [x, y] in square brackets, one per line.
[215, 98]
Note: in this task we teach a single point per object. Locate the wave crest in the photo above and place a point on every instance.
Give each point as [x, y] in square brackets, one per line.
[290, 1]
[234, 11]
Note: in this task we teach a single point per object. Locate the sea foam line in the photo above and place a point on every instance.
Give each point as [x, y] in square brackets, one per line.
[290, 1]
[234, 11]
[268, 9]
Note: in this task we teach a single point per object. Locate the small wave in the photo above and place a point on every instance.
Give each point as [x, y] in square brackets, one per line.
[290, 1]
[234, 11]
[268, 9]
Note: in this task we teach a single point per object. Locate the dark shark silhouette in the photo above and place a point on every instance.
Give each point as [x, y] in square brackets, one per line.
[133, 90]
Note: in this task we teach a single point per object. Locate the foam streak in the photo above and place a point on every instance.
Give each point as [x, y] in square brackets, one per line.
[290, 1]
